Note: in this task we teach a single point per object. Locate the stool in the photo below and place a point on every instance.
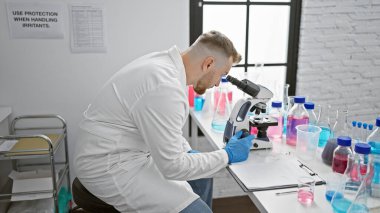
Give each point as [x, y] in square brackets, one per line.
[87, 201]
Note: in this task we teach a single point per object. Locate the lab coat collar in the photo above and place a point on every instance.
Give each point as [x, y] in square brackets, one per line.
[175, 55]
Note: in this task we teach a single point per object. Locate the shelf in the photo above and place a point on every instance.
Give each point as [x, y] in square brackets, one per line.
[33, 147]
[6, 191]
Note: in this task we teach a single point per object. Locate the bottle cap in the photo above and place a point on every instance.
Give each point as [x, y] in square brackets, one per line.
[362, 148]
[365, 125]
[360, 124]
[378, 121]
[344, 141]
[277, 104]
[309, 105]
[370, 126]
[354, 123]
[224, 79]
[299, 99]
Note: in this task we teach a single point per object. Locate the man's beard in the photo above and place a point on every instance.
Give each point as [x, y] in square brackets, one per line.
[200, 90]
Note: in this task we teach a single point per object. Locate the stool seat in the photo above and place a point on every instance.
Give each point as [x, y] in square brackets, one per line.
[87, 201]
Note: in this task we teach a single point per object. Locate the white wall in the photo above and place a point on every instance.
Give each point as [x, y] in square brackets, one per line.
[339, 57]
[43, 76]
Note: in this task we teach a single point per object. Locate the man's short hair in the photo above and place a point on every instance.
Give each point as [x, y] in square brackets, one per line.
[215, 40]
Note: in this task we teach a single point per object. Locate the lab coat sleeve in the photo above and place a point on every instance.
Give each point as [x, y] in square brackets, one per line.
[159, 116]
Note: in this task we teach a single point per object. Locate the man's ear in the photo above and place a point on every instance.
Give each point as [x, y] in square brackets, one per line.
[208, 64]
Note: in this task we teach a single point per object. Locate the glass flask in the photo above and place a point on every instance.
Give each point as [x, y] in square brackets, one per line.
[351, 196]
[340, 128]
[324, 124]
[223, 107]
[296, 116]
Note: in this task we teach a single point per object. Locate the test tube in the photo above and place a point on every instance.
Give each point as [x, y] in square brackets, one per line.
[364, 132]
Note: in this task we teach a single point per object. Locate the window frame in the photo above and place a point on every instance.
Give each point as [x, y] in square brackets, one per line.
[196, 26]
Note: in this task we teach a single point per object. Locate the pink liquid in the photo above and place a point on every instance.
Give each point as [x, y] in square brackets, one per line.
[291, 131]
[191, 96]
[339, 163]
[254, 131]
[305, 196]
[275, 131]
[216, 98]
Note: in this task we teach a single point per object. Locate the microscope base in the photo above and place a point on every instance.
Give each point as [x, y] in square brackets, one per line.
[261, 144]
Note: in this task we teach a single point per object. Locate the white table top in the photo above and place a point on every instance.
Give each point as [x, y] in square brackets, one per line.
[268, 201]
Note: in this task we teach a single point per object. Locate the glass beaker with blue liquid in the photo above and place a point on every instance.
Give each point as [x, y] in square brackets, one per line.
[324, 124]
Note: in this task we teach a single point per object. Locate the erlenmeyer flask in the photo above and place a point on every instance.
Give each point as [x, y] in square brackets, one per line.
[223, 109]
[324, 124]
[351, 196]
[340, 128]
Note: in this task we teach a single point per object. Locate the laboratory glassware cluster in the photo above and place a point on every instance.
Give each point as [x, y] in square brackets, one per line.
[351, 149]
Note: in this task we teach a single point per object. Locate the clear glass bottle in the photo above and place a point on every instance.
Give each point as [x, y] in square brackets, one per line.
[374, 141]
[361, 161]
[275, 132]
[375, 183]
[324, 124]
[341, 154]
[370, 128]
[223, 107]
[358, 137]
[364, 133]
[309, 106]
[297, 115]
[374, 138]
[353, 130]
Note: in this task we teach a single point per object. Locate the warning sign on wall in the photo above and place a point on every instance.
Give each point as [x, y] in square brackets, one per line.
[35, 20]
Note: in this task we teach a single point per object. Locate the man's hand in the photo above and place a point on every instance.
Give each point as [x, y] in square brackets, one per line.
[238, 147]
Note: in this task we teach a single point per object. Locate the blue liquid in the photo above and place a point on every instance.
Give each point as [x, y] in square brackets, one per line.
[342, 205]
[375, 147]
[285, 117]
[329, 195]
[324, 136]
[198, 103]
[218, 126]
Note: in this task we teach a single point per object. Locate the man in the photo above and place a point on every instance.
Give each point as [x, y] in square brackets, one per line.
[131, 152]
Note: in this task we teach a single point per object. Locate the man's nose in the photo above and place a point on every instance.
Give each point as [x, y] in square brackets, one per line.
[217, 84]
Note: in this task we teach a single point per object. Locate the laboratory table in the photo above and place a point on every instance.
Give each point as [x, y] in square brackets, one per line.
[268, 201]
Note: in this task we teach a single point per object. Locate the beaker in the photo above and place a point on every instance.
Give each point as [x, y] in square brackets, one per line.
[324, 124]
[307, 141]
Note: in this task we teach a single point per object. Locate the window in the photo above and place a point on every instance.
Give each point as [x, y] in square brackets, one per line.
[265, 33]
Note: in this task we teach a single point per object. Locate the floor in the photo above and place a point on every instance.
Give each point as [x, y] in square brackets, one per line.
[241, 204]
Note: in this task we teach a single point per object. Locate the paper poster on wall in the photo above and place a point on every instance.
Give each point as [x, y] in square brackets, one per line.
[35, 19]
[87, 28]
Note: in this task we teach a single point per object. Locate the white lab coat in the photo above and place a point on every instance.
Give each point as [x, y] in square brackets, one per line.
[130, 151]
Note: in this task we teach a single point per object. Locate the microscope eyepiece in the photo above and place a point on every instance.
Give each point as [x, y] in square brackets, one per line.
[245, 85]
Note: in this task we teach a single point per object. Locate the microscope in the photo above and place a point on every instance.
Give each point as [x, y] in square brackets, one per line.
[256, 103]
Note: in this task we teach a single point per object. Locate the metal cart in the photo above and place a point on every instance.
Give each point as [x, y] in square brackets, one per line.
[38, 141]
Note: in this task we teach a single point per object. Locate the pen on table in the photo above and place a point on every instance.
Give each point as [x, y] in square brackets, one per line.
[284, 193]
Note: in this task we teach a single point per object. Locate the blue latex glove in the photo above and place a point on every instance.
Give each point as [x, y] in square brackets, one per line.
[193, 151]
[238, 148]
